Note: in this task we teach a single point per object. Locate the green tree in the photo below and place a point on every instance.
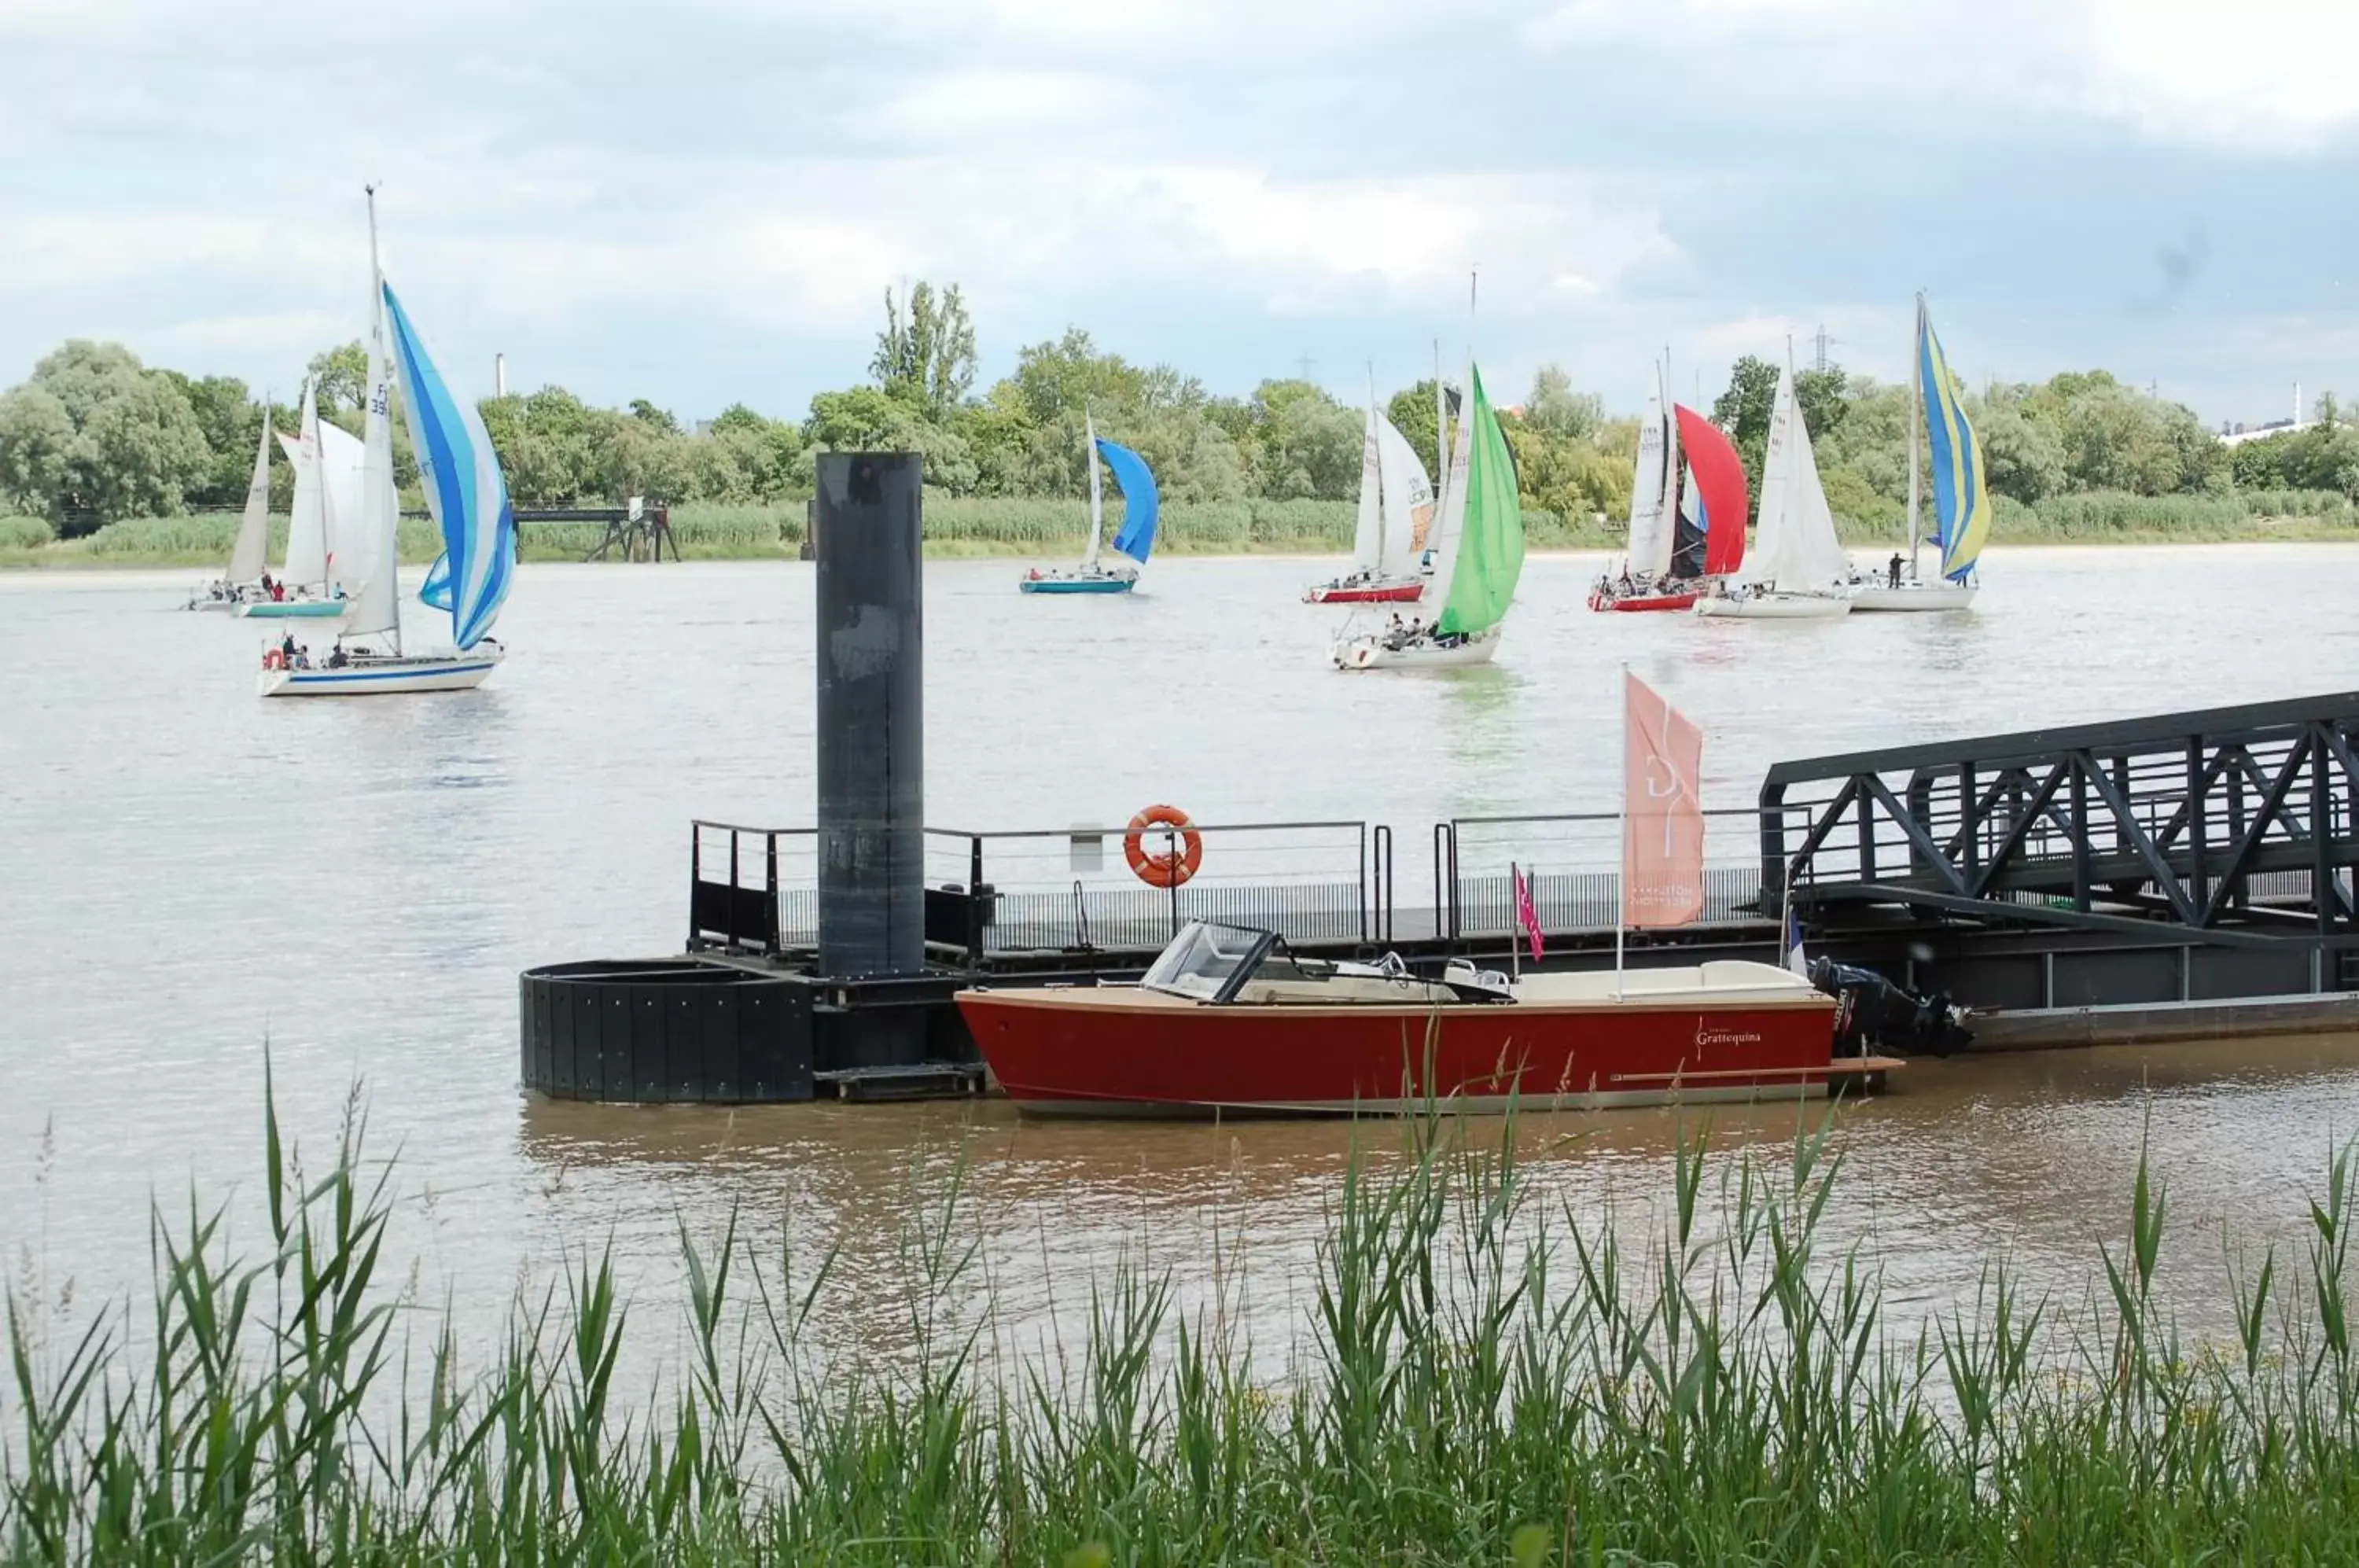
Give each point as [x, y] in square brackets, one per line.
[1412, 413]
[1569, 475]
[142, 452]
[1744, 410]
[925, 356]
[231, 425]
[1822, 396]
[340, 377]
[863, 418]
[134, 446]
[657, 419]
[1310, 446]
[1556, 410]
[998, 430]
[37, 450]
[2022, 456]
[1070, 373]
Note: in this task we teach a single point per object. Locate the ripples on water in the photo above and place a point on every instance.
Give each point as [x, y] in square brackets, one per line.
[193, 873]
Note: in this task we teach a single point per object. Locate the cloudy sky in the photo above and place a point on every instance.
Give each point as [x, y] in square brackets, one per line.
[701, 200]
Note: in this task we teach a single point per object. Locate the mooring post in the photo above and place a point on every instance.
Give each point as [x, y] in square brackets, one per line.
[871, 734]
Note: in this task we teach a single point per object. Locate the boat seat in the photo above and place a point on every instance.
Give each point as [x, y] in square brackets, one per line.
[1718, 977]
[1345, 990]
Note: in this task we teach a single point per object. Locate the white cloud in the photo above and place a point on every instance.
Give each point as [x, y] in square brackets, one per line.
[722, 184]
[2274, 78]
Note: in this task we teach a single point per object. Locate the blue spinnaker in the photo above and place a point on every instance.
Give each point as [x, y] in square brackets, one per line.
[435, 592]
[1139, 501]
[460, 475]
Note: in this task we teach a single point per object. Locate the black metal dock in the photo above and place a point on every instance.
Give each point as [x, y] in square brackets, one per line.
[2151, 877]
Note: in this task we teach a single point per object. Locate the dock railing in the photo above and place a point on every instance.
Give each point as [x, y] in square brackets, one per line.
[2205, 820]
[752, 890]
[755, 890]
[1573, 863]
[1075, 889]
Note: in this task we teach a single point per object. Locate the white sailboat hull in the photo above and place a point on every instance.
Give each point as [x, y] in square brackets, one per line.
[376, 677]
[1370, 653]
[1914, 596]
[1776, 607]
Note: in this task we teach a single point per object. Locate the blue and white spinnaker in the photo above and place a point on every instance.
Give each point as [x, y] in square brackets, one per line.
[435, 592]
[460, 475]
[1140, 504]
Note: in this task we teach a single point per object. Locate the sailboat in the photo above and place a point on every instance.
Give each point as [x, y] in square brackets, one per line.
[468, 498]
[1798, 570]
[1645, 582]
[1709, 541]
[241, 579]
[1962, 508]
[1685, 535]
[1131, 546]
[1478, 546]
[303, 591]
[1396, 510]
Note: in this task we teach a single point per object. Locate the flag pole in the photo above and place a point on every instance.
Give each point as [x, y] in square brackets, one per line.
[1622, 857]
[1516, 938]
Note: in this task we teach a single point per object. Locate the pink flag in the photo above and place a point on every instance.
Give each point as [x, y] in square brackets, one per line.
[1527, 916]
[1662, 832]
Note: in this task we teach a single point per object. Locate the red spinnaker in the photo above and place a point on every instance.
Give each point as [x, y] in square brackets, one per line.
[1720, 475]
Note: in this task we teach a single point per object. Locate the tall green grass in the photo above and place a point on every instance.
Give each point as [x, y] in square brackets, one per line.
[2101, 517]
[1053, 526]
[1485, 1377]
[25, 533]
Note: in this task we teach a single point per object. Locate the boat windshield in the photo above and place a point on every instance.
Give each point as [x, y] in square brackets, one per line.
[1205, 960]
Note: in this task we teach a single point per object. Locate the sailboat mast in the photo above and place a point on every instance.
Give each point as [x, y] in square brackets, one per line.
[1671, 514]
[1377, 564]
[1622, 838]
[1916, 419]
[1097, 497]
[379, 414]
[1440, 431]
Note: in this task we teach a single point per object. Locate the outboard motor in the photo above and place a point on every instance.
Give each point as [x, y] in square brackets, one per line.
[1873, 1014]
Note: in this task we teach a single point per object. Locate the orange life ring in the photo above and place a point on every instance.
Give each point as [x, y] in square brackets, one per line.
[273, 659]
[1172, 867]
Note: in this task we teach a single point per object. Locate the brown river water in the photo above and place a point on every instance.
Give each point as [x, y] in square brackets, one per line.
[192, 876]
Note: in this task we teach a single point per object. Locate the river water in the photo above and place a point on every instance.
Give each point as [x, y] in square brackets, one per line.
[193, 876]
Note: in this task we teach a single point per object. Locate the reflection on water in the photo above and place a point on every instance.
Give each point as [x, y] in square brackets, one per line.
[194, 873]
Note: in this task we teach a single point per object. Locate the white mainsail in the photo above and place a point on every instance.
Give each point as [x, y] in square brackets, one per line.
[378, 606]
[350, 549]
[1449, 522]
[1408, 503]
[248, 555]
[307, 530]
[1794, 546]
[1368, 531]
[1650, 522]
[1097, 496]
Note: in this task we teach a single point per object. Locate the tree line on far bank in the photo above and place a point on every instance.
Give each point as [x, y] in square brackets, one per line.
[95, 436]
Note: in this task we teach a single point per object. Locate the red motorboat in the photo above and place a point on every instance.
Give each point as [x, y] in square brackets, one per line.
[1359, 589]
[1230, 1020]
